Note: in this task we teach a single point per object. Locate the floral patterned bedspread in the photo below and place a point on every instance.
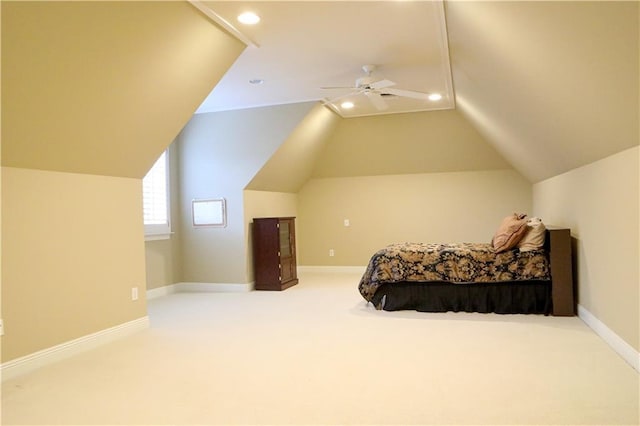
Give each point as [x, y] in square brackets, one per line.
[454, 263]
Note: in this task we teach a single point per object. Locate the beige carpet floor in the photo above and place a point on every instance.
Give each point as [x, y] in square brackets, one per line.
[317, 354]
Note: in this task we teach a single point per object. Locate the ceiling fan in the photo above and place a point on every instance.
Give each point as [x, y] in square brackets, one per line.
[375, 89]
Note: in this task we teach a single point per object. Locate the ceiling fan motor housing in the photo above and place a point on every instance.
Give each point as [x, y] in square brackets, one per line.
[364, 82]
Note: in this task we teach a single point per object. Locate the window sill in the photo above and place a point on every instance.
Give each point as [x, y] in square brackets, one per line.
[157, 237]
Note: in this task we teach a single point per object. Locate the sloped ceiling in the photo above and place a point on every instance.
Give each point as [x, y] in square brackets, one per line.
[292, 164]
[552, 85]
[393, 144]
[103, 87]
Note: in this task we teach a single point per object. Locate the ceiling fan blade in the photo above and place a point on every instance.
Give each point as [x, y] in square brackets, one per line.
[382, 84]
[376, 100]
[408, 94]
[339, 87]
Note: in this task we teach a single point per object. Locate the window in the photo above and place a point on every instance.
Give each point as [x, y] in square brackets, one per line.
[155, 196]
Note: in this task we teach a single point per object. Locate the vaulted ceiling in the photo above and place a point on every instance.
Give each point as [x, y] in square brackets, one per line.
[551, 85]
[103, 87]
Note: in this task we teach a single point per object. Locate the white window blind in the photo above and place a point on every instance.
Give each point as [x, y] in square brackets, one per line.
[155, 194]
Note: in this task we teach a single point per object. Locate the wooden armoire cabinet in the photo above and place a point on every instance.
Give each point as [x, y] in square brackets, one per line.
[274, 253]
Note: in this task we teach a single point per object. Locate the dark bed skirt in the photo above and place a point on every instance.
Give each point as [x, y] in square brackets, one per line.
[530, 297]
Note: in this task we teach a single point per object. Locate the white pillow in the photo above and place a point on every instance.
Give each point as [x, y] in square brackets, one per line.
[533, 239]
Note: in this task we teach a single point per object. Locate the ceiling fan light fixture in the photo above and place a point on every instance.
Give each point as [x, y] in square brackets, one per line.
[435, 97]
[248, 18]
[347, 105]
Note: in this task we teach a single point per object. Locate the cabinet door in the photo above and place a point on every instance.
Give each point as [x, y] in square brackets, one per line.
[287, 250]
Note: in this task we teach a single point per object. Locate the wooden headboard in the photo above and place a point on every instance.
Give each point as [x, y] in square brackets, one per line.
[558, 244]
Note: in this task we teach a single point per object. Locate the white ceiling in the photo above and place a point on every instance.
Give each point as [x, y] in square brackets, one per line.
[300, 46]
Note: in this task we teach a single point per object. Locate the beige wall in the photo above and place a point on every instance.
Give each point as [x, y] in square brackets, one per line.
[162, 263]
[163, 257]
[219, 155]
[599, 202]
[265, 204]
[404, 177]
[429, 207]
[1, 338]
[89, 90]
[72, 249]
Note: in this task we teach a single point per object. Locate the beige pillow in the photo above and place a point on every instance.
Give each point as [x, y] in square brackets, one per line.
[533, 239]
[510, 232]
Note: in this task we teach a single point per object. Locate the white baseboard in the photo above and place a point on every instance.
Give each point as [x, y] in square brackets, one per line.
[33, 361]
[191, 287]
[622, 348]
[213, 287]
[196, 287]
[333, 269]
[161, 291]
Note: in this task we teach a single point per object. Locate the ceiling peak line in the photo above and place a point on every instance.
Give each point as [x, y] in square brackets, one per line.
[444, 41]
[226, 25]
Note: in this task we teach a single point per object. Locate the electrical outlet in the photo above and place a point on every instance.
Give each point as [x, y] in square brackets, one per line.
[134, 293]
[331, 252]
[1, 328]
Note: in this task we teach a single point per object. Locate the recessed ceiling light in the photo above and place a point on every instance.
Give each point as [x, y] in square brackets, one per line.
[435, 97]
[347, 105]
[256, 81]
[248, 18]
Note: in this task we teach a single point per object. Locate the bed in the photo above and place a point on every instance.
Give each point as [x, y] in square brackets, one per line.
[472, 277]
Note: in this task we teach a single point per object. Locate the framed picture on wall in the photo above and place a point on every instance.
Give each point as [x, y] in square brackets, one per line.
[209, 212]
